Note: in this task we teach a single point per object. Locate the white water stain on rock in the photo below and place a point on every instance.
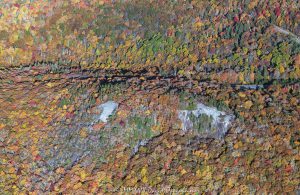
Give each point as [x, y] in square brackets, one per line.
[206, 120]
[107, 110]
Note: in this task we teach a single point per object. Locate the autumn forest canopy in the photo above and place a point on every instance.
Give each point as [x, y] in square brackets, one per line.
[149, 96]
[235, 41]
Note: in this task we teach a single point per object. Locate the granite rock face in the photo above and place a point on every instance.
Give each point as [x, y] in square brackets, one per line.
[106, 109]
[205, 121]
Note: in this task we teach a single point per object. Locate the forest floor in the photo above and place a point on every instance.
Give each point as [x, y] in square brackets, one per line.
[50, 141]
